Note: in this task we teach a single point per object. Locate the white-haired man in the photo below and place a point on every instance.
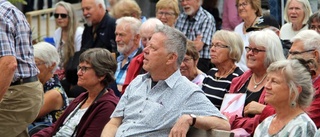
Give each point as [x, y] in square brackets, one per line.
[99, 28]
[127, 39]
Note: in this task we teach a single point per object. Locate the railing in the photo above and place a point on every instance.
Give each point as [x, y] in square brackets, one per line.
[46, 13]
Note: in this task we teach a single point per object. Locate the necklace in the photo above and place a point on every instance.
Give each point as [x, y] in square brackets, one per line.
[256, 84]
[218, 78]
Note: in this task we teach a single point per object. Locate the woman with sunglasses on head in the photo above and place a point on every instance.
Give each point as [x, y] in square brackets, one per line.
[90, 111]
[226, 50]
[67, 36]
[263, 49]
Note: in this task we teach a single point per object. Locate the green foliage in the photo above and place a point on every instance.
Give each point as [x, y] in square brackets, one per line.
[18, 1]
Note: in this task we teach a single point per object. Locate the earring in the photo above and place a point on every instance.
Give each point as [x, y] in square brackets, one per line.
[293, 104]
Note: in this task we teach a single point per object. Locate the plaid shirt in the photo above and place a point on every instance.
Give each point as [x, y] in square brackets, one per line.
[121, 72]
[16, 40]
[202, 24]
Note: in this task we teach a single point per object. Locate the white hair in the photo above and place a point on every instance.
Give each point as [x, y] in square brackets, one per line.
[47, 53]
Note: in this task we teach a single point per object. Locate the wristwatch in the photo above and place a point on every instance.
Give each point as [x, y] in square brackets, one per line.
[194, 118]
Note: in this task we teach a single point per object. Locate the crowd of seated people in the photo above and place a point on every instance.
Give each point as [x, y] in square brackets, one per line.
[173, 70]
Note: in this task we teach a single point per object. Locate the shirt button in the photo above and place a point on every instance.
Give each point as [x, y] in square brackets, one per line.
[146, 98]
[140, 111]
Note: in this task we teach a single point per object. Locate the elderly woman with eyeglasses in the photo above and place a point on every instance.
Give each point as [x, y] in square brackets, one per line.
[188, 66]
[264, 48]
[167, 11]
[67, 37]
[226, 50]
[289, 91]
[314, 22]
[249, 11]
[90, 111]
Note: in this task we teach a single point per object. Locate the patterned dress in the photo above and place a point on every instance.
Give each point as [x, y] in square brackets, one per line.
[54, 83]
[300, 126]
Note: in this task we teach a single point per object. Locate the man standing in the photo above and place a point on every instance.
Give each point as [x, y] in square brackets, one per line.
[99, 28]
[198, 25]
[127, 39]
[21, 92]
[163, 102]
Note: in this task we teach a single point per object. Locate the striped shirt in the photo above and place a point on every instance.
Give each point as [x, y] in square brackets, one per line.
[202, 24]
[215, 88]
[16, 40]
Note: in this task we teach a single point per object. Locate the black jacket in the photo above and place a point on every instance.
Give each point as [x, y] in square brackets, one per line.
[105, 37]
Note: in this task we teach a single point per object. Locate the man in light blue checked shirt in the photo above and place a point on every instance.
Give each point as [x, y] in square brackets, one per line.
[198, 25]
[162, 102]
[20, 90]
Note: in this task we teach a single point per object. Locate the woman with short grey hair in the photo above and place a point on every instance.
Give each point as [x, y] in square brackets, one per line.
[55, 98]
[226, 49]
[289, 91]
[90, 111]
[263, 49]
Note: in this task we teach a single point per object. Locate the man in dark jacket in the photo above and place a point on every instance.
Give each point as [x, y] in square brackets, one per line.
[99, 28]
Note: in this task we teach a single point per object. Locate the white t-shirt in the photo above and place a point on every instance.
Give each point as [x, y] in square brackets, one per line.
[70, 123]
[286, 31]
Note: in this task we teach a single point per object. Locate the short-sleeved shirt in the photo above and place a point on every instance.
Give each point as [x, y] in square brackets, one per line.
[152, 111]
[202, 24]
[215, 88]
[16, 40]
[300, 126]
[121, 71]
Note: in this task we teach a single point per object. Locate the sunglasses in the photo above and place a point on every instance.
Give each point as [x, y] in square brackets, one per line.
[62, 15]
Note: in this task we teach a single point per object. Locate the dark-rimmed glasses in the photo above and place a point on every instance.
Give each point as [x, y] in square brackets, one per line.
[62, 15]
[254, 50]
[83, 69]
[299, 52]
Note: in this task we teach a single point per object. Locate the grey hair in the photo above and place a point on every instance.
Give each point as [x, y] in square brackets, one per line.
[271, 42]
[47, 53]
[176, 41]
[102, 3]
[233, 40]
[306, 9]
[149, 24]
[102, 62]
[310, 40]
[130, 21]
[296, 74]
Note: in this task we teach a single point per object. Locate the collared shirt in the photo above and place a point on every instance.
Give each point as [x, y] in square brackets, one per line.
[153, 111]
[16, 40]
[121, 72]
[202, 24]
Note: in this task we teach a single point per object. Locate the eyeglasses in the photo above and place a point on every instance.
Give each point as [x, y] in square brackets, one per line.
[83, 69]
[219, 46]
[186, 59]
[243, 5]
[299, 52]
[184, 0]
[62, 15]
[254, 50]
[166, 14]
[314, 27]
[40, 63]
